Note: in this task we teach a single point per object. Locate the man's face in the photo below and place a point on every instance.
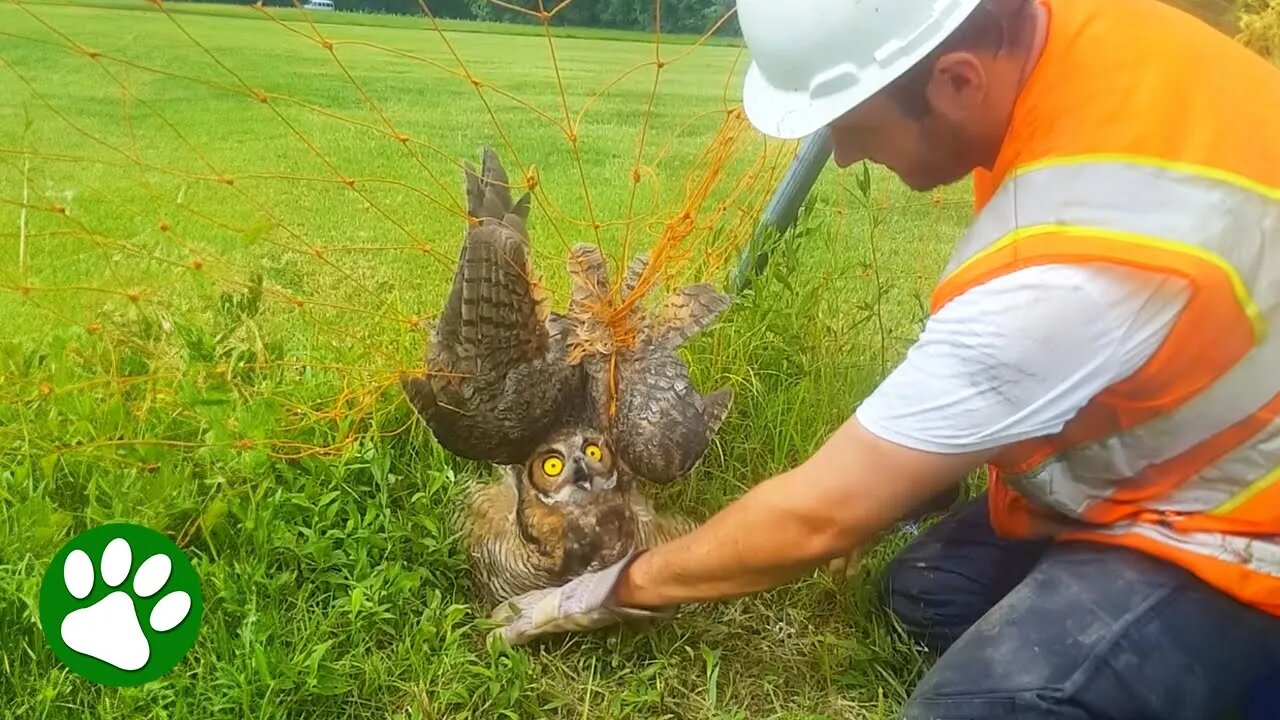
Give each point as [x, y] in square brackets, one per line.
[925, 153]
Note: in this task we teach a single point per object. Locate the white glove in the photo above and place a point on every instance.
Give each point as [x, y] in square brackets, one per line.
[582, 604]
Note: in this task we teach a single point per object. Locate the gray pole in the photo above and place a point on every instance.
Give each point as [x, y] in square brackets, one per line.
[783, 208]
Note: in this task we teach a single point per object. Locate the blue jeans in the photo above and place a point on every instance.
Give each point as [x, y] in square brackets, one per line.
[1034, 630]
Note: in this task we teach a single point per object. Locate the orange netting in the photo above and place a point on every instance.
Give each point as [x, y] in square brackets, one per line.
[212, 252]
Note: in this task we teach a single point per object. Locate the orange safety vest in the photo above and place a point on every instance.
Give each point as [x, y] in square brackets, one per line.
[1147, 139]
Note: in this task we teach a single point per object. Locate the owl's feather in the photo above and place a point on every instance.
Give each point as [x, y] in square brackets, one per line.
[635, 270]
[686, 313]
[654, 528]
[588, 277]
[663, 425]
[496, 372]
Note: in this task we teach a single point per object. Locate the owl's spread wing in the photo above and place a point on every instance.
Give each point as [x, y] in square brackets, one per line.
[663, 424]
[496, 377]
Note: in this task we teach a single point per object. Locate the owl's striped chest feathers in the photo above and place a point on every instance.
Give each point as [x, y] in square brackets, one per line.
[520, 542]
[577, 538]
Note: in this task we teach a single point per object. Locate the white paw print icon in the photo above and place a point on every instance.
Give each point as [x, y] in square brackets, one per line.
[110, 630]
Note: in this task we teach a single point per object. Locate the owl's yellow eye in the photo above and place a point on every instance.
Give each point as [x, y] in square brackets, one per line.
[552, 466]
[593, 451]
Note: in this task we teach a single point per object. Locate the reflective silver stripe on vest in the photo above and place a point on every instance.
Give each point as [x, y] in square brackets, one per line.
[1070, 481]
[1226, 478]
[1259, 554]
[1237, 224]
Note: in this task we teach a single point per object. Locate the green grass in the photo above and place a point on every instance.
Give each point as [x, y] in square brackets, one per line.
[147, 376]
[418, 21]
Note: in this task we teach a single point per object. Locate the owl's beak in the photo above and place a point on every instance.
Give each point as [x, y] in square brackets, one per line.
[579, 474]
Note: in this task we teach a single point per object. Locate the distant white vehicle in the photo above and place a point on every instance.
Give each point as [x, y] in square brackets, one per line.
[318, 5]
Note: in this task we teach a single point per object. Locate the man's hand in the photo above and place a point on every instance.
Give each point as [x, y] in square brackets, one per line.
[579, 605]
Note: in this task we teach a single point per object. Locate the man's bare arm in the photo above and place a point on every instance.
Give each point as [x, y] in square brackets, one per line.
[855, 486]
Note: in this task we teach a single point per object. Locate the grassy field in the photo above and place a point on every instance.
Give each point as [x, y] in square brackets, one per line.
[217, 233]
[418, 21]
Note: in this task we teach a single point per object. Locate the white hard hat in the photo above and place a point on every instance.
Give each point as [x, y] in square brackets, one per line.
[814, 60]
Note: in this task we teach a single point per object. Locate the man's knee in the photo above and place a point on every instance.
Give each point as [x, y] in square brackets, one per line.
[933, 602]
[1097, 629]
[952, 574]
[998, 671]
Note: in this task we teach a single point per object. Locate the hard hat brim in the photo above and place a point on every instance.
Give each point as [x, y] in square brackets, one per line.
[789, 114]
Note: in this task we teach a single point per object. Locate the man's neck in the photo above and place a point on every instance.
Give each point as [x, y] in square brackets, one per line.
[1038, 20]
[1016, 70]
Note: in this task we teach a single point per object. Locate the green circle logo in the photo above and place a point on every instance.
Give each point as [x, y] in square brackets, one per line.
[120, 604]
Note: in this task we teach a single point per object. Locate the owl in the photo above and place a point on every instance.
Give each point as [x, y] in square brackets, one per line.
[575, 407]
[570, 508]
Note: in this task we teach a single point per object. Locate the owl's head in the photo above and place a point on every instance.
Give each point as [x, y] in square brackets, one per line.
[572, 466]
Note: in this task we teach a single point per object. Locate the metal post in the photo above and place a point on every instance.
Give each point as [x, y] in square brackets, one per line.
[783, 208]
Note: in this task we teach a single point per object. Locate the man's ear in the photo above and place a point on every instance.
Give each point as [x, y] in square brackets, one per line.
[958, 86]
